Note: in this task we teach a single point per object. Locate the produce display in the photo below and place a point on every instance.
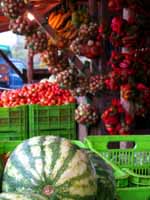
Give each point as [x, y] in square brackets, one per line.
[126, 34]
[81, 87]
[19, 196]
[127, 66]
[22, 26]
[129, 69]
[50, 166]
[61, 22]
[86, 114]
[87, 43]
[96, 84]
[43, 93]
[13, 8]
[68, 78]
[116, 119]
[105, 177]
[37, 42]
[138, 95]
[55, 59]
[79, 17]
[138, 6]
[89, 85]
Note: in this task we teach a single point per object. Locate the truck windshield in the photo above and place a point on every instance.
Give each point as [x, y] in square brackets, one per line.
[6, 50]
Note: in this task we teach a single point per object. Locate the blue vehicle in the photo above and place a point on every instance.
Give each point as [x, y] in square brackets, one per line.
[8, 77]
[15, 80]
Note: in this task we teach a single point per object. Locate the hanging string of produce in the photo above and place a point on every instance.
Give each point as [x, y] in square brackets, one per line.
[37, 42]
[129, 72]
[88, 42]
[86, 114]
[117, 121]
[13, 8]
[55, 59]
[22, 25]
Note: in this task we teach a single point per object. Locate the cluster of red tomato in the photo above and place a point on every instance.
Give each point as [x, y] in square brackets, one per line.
[43, 93]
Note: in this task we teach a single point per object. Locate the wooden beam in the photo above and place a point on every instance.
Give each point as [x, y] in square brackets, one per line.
[42, 22]
[93, 9]
[52, 33]
[30, 68]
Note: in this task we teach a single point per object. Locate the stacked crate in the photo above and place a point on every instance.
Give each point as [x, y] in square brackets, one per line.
[22, 122]
[131, 165]
[52, 120]
[14, 123]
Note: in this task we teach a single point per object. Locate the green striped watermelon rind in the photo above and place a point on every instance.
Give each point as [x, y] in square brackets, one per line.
[54, 163]
[21, 196]
[1, 172]
[105, 177]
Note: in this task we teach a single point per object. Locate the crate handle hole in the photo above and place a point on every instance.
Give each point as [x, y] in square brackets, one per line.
[121, 144]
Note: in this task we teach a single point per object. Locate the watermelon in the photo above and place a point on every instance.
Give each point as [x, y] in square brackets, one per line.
[105, 178]
[1, 172]
[50, 166]
[1, 167]
[104, 173]
[19, 196]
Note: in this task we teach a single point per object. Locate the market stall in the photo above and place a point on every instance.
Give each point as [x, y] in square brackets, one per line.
[80, 129]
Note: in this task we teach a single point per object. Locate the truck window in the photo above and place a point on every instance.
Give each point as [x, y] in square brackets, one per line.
[6, 50]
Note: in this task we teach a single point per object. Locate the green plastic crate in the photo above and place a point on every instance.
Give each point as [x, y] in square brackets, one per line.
[121, 177]
[122, 193]
[131, 165]
[52, 120]
[8, 146]
[14, 123]
[133, 193]
[67, 133]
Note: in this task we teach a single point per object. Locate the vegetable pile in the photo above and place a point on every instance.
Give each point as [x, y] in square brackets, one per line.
[43, 93]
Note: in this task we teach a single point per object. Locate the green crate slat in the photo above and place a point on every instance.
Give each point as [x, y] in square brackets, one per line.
[14, 123]
[133, 161]
[68, 133]
[131, 193]
[57, 120]
[122, 193]
[8, 146]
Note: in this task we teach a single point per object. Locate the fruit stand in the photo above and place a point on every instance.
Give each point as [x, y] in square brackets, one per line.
[82, 133]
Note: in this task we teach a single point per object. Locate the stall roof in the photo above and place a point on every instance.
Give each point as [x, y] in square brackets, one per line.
[42, 6]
